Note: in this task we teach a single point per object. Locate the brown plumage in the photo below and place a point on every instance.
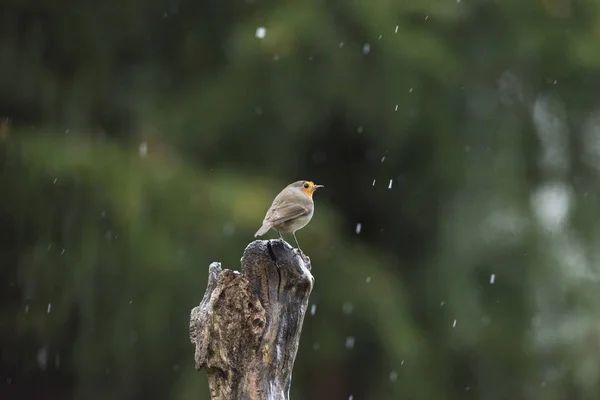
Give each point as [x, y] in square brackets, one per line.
[291, 210]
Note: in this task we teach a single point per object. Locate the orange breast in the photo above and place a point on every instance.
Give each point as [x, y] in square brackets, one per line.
[308, 192]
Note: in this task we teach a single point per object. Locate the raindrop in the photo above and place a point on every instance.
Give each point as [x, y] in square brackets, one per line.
[341, 44]
[366, 48]
[261, 32]
[42, 357]
[396, 31]
[49, 308]
[360, 129]
[396, 109]
[383, 159]
[373, 182]
[426, 17]
[402, 363]
[468, 388]
[347, 308]
[410, 90]
[492, 278]
[390, 185]
[368, 280]
[393, 376]
[349, 342]
[54, 182]
[313, 309]
[358, 228]
[62, 252]
[316, 346]
[454, 324]
[350, 397]
[380, 37]
[143, 149]
[442, 303]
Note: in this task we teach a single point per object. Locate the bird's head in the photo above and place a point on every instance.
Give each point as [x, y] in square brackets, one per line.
[306, 187]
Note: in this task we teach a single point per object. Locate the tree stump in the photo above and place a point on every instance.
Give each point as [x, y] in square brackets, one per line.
[247, 327]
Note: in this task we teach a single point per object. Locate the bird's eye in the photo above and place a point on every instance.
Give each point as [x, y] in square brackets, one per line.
[306, 186]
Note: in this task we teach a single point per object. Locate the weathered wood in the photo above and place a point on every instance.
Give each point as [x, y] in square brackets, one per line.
[247, 327]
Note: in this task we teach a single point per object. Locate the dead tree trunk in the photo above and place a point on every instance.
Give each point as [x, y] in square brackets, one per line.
[247, 328]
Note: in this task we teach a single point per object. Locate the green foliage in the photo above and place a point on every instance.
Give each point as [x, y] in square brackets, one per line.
[147, 139]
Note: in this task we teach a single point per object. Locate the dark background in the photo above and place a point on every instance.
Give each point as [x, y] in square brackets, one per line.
[142, 140]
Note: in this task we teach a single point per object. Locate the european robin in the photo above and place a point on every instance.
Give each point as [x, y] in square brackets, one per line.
[291, 210]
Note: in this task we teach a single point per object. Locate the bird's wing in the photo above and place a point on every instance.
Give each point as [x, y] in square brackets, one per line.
[285, 211]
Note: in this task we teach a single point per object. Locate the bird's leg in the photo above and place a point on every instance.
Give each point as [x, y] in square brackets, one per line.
[280, 235]
[297, 244]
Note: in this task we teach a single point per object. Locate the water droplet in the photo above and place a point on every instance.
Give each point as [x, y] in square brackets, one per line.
[358, 228]
[396, 109]
[360, 129]
[347, 308]
[383, 159]
[316, 346]
[49, 308]
[349, 342]
[393, 376]
[454, 324]
[261, 32]
[62, 252]
[54, 182]
[313, 309]
[373, 182]
[368, 280]
[426, 17]
[143, 149]
[390, 185]
[492, 278]
[410, 90]
[442, 303]
[366, 48]
[341, 44]
[396, 31]
[42, 357]
[26, 308]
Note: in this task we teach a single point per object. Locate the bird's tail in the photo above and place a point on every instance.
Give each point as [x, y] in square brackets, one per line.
[263, 229]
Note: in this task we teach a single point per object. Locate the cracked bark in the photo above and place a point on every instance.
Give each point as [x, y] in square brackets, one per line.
[247, 327]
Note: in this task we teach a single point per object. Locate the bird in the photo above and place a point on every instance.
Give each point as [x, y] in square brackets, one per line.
[291, 210]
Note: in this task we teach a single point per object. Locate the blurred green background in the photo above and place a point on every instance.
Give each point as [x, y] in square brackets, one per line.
[454, 247]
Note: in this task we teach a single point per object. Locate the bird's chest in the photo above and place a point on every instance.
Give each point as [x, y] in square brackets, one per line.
[296, 224]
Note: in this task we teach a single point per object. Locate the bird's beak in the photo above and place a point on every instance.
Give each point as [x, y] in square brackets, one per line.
[318, 186]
